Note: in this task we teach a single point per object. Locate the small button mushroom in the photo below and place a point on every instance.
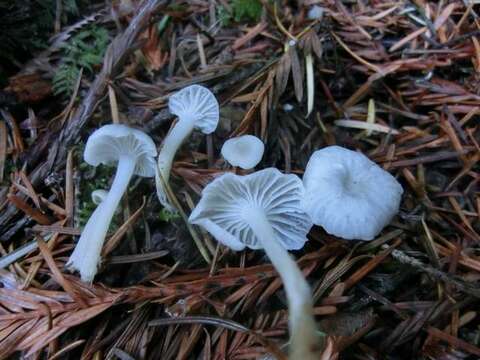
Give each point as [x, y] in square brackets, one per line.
[134, 153]
[263, 210]
[98, 196]
[315, 13]
[349, 195]
[244, 151]
[196, 107]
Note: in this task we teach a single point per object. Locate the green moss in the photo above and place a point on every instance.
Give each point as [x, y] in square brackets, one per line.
[101, 180]
[177, 7]
[246, 10]
[167, 216]
[224, 16]
[9, 168]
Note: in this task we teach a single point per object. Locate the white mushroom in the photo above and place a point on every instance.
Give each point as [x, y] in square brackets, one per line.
[196, 107]
[134, 153]
[349, 195]
[98, 196]
[315, 12]
[263, 210]
[244, 151]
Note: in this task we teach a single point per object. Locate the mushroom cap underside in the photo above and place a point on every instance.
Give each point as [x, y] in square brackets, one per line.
[227, 200]
[107, 144]
[196, 103]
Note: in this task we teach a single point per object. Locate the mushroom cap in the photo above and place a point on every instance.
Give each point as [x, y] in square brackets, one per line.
[315, 12]
[108, 143]
[227, 200]
[98, 196]
[348, 194]
[198, 104]
[245, 151]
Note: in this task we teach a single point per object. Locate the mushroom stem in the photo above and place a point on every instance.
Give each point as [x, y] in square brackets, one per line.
[86, 256]
[305, 343]
[171, 143]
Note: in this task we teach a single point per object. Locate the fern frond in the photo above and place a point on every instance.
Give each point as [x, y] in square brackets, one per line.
[65, 79]
[84, 50]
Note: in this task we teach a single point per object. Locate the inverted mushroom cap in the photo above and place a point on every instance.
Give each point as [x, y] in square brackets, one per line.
[226, 202]
[108, 143]
[244, 151]
[349, 195]
[196, 103]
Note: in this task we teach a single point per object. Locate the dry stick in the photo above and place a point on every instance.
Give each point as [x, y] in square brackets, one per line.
[3, 147]
[58, 16]
[35, 214]
[30, 190]
[117, 52]
[113, 105]
[371, 66]
[36, 265]
[454, 341]
[18, 144]
[460, 284]
[128, 259]
[56, 273]
[60, 353]
[65, 230]
[52, 346]
[112, 242]
[58, 210]
[69, 189]
[16, 254]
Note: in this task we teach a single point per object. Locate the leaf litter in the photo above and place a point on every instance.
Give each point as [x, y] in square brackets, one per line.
[397, 80]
